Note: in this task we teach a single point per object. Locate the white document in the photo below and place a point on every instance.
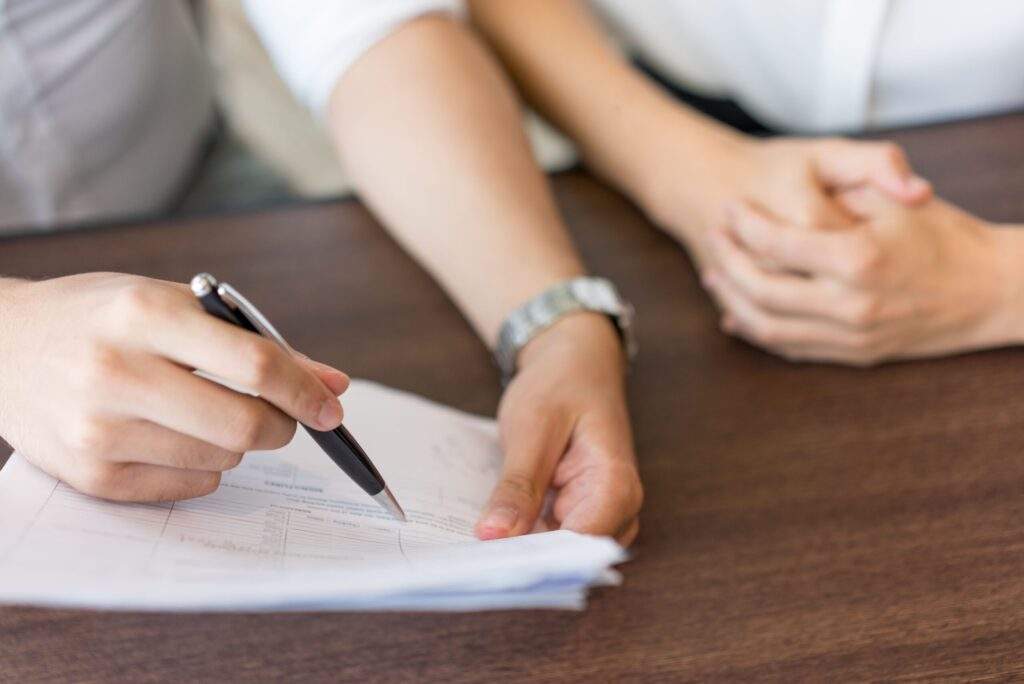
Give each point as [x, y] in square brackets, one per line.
[287, 530]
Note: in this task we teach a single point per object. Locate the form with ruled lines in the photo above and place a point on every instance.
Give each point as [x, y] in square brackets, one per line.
[287, 529]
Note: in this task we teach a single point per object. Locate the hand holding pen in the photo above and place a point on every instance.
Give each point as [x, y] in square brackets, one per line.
[226, 303]
[110, 404]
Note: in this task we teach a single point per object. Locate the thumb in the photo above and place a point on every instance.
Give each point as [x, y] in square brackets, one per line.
[843, 164]
[530, 458]
[334, 379]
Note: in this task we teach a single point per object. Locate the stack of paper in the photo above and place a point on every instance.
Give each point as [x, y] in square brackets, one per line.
[288, 530]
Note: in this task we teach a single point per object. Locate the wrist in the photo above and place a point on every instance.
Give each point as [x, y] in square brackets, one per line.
[578, 295]
[586, 336]
[688, 171]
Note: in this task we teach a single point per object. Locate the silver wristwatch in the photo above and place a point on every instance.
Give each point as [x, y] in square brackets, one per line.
[578, 294]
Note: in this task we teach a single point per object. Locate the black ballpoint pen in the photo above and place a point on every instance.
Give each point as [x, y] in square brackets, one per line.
[226, 303]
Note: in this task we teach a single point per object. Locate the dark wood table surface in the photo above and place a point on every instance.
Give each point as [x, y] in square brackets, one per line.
[802, 522]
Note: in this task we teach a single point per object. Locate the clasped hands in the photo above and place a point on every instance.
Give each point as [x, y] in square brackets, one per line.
[852, 260]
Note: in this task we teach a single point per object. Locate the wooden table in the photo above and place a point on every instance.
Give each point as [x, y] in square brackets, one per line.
[802, 522]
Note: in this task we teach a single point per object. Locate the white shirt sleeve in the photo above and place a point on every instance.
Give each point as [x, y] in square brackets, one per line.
[313, 42]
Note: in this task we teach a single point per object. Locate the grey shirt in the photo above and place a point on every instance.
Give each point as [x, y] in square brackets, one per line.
[104, 106]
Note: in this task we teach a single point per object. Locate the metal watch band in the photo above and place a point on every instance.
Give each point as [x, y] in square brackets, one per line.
[579, 294]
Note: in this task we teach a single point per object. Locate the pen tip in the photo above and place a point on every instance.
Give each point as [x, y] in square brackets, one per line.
[388, 501]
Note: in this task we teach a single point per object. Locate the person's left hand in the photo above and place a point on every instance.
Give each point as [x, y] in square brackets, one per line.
[902, 283]
[565, 427]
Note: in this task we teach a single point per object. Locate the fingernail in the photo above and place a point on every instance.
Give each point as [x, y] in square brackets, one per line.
[330, 414]
[499, 522]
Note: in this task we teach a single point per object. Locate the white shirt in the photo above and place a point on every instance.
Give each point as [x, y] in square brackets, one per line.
[836, 65]
[105, 104]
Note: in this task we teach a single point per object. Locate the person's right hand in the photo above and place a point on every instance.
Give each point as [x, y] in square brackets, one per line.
[97, 388]
[792, 178]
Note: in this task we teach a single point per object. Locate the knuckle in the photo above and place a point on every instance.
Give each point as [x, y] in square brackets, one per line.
[133, 296]
[103, 363]
[88, 437]
[813, 213]
[231, 461]
[761, 292]
[281, 438]
[780, 296]
[247, 429]
[865, 345]
[306, 400]
[97, 479]
[864, 261]
[136, 303]
[891, 152]
[763, 298]
[203, 484]
[261, 361]
[864, 311]
[636, 497]
[806, 217]
[221, 460]
[766, 333]
[186, 486]
[521, 487]
[630, 493]
[138, 297]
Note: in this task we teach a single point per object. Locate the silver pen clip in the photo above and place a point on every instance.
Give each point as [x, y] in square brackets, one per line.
[234, 298]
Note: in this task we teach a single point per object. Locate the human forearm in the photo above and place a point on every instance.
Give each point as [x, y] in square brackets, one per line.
[430, 131]
[432, 134]
[7, 288]
[1009, 267]
[572, 74]
[6, 283]
[680, 167]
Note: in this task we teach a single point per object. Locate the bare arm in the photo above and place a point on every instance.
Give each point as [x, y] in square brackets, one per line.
[569, 70]
[432, 134]
[679, 166]
[429, 128]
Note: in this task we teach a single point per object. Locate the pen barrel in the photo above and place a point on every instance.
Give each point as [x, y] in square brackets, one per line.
[343, 449]
[226, 303]
[217, 308]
